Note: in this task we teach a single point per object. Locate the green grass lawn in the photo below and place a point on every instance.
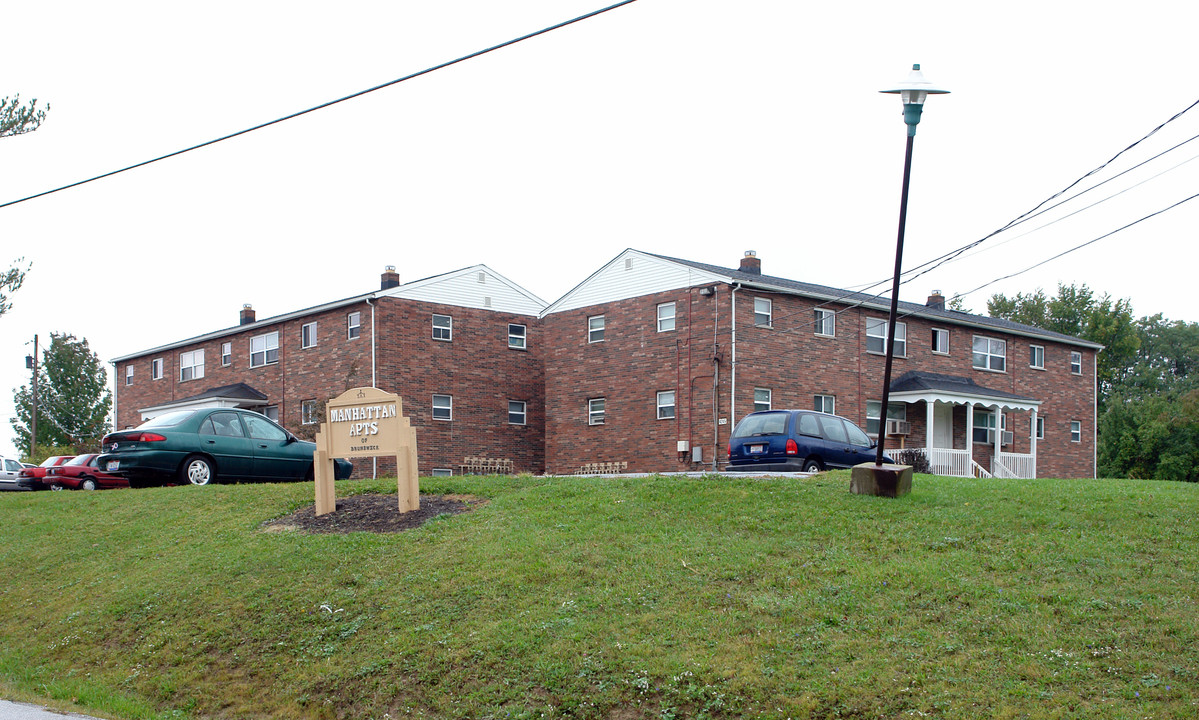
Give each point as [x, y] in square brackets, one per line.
[662, 597]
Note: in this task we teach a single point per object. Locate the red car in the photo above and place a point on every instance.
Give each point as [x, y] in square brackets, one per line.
[82, 473]
[33, 477]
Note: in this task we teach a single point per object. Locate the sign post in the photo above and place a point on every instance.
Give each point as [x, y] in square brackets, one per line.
[365, 422]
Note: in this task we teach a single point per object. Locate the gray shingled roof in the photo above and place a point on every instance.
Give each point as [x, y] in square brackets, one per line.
[848, 297]
[917, 381]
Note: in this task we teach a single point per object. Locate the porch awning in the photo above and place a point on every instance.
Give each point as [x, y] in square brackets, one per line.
[915, 386]
[236, 395]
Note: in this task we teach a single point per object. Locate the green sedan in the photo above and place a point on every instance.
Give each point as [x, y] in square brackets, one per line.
[208, 445]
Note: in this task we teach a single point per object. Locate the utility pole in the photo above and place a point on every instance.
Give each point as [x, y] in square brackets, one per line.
[31, 362]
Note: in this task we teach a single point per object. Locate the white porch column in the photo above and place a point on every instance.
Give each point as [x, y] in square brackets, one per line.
[1033, 441]
[970, 429]
[928, 429]
[998, 417]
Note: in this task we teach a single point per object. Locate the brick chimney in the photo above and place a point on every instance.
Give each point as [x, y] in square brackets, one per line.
[936, 301]
[389, 279]
[750, 263]
[247, 314]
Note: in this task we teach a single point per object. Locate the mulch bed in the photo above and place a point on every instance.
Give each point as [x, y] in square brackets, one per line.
[372, 513]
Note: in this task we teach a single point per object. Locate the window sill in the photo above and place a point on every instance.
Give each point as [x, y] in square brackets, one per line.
[993, 372]
[1037, 367]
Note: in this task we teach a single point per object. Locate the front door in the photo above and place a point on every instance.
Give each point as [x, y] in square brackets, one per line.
[943, 426]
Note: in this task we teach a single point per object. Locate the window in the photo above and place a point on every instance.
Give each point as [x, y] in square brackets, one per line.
[990, 354]
[825, 404]
[310, 412]
[517, 412]
[876, 337]
[443, 407]
[264, 349]
[308, 335]
[442, 472]
[156, 369]
[1075, 431]
[761, 399]
[129, 374]
[353, 325]
[826, 323]
[595, 411]
[191, 365]
[1040, 428]
[443, 328]
[1076, 363]
[226, 354]
[517, 336]
[595, 328]
[261, 428]
[940, 341]
[666, 405]
[763, 312]
[666, 317]
[1036, 357]
[984, 426]
[271, 412]
[895, 411]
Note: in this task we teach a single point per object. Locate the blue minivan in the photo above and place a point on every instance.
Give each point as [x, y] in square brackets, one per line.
[798, 440]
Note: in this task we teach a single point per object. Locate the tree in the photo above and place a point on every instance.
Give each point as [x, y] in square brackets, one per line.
[10, 282]
[73, 397]
[17, 119]
[1075, 311]
[1152, 437]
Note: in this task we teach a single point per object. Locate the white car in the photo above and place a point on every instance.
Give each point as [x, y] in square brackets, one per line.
[8, 473]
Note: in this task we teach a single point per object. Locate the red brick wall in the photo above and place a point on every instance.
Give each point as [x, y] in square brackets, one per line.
[476, 367]
[635, 361]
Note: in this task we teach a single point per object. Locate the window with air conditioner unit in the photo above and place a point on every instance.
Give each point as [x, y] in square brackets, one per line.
[899, 427]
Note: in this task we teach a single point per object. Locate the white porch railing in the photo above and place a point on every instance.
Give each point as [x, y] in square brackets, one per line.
[1014, 465]
[955, 463]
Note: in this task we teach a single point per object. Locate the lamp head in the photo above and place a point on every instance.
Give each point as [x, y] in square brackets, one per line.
[913, 92]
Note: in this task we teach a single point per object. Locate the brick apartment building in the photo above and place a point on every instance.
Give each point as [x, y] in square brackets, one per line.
[650, 362]
[460, 349]
[645, 366]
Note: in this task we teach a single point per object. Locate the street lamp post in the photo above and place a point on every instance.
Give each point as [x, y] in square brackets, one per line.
[913, 91]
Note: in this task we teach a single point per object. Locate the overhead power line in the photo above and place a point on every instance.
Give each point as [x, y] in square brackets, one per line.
[322, 106]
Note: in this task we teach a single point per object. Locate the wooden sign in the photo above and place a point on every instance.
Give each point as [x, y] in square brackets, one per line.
[365, 422]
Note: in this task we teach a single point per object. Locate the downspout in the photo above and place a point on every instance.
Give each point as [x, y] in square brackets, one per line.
[715, 380]
[690, 379]
[733, 353]
[115, 400]
[1095, 415]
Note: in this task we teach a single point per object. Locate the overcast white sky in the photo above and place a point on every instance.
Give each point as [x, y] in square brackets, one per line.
[695, 128]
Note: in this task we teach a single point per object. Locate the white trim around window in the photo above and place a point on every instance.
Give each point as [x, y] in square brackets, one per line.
[826, 322]
[309, 412]
[988, 353]
[518, 412]
[129, 374]
[308, 335]
[1076, 362]
[595, 329]
[762, 399]
[876, 337]
[443, 328]
[1036, 357]
[825, 404]
[763, 312]
[596, 411]
[666, 315]
[156, 371]
[518, 337]
[1075, 431]
[666, 405]
[353, 325]
[226, 354]
[940, 341]
[191, 365]
[443, 407]
[264, 349]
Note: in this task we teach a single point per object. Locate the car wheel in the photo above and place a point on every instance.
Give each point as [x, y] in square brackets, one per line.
[87, 483]
[813, 466]
[197, 470]
[55, 486]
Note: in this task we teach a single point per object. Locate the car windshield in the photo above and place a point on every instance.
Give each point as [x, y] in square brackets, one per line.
[167, 420]
[80, 460]
[52, 461]
[762, 424]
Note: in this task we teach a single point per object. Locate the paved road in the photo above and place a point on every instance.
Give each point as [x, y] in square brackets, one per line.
[24, 711]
